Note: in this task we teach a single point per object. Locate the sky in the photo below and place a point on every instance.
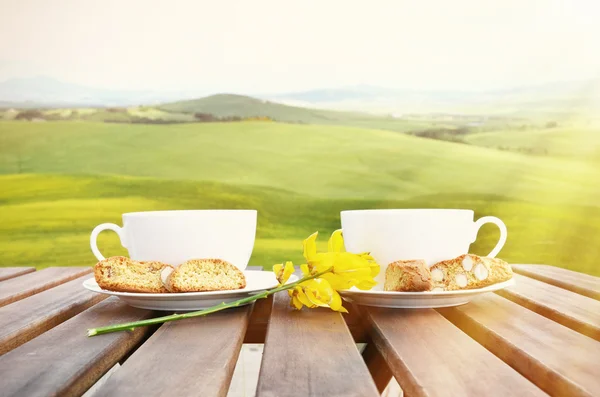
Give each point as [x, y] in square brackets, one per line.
[275, 46]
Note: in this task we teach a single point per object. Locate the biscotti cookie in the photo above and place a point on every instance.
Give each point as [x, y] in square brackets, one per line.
[407, 276]
[198, 275]
[468, 272]
[119, 273]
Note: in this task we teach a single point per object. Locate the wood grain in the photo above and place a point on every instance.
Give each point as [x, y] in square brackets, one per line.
[192, 357]
[24, 320]
[65, 361]
[311, 353]
[557, 359]
[21, 287]
[11, 272]
[431, 357]
[580, 283]
[572, 310]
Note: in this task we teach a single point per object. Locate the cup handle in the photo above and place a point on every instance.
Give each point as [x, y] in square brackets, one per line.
[97, 230]
[503, 232]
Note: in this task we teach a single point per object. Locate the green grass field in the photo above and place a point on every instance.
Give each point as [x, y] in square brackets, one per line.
[319, 161]
[60, 179]
[580, 142]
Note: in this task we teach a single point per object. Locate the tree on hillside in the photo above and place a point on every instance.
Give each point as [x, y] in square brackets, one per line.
[205, 117]
[30, 114]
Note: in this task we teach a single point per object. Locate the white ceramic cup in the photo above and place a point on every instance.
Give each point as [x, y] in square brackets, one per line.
[174, 237]
[401, 234]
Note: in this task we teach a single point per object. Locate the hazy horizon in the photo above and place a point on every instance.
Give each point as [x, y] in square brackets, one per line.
[265, 47]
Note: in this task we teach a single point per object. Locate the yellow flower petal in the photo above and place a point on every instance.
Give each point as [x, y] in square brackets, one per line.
[296, 303]
[310, 246]
[375, 269]
[323, 288]
[305, 270]
[283, 273]
[310, 295]
[365, 285]
[278, 270]
[336, 303]
[337, 282]
[288, 270]
[302, 298]
[336, 242]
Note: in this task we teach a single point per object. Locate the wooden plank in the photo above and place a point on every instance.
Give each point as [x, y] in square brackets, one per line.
[356, 324]
[580, 283]
[557, 359]
[30, 284]
[11, 272]
[378, 367]
[65, 361]
[259, 321]
[30, 317]
[431, 357]
[311, 353]
[572, 310]
[193, 357]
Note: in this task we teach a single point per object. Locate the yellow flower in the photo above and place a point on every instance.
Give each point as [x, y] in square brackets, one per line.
[348, 270]
[283, 273]
[316, 293]
[329, 272]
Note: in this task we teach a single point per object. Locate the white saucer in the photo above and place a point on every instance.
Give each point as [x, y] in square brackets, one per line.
[256, 282]
[418, 300]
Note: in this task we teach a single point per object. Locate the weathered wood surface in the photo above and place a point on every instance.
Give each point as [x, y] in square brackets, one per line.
[192, 357]
[29, 284]
[429, 356]
[581, 283]
[24, 320]
[311, 353]
[570, 309]
[65, 361]
[557, 359]
[11, 272]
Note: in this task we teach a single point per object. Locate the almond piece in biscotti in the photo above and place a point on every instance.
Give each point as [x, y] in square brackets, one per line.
[470, 271]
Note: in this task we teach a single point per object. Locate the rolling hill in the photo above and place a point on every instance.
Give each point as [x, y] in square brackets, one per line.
[228, 105]
[320, 161]
[60, 179]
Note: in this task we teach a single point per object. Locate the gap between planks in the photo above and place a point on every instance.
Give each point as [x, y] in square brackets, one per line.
[12, 272]
[30, 284]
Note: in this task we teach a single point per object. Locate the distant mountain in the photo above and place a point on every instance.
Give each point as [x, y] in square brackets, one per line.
[562, 97]
[43, 91]
[565, 95]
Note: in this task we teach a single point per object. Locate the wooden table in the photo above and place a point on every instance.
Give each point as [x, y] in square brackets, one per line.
[539, 337]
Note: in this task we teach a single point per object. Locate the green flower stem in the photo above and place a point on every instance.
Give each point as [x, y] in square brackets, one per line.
[222, 306]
